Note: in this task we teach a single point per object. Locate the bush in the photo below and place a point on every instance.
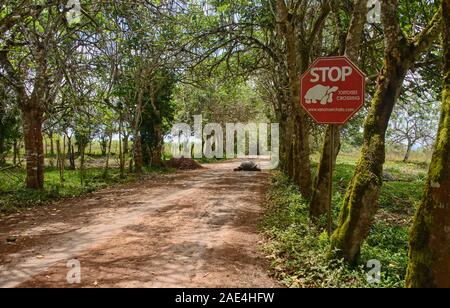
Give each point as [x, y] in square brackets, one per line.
[298, 250]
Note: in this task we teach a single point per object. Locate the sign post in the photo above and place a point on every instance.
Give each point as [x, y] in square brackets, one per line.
[330, 180]
[332, 92]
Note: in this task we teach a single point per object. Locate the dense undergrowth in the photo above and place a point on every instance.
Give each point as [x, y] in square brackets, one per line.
[298, 249]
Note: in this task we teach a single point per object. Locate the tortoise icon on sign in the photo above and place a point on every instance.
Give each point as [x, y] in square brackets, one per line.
[320, 93]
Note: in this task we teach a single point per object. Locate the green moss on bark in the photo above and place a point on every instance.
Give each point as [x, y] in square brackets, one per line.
[429, 256]
[361, 200]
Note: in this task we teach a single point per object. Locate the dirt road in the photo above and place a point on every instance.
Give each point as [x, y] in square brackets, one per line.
[189, 229]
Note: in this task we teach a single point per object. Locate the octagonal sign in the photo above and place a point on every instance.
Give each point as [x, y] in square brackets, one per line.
[333, 90]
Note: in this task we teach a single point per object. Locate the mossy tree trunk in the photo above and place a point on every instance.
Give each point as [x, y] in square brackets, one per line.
[321, 194]
[361, 200]
[429, 256]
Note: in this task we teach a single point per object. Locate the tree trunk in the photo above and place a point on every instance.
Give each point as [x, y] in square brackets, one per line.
[408, 152]
[19, 156]
[52, 146]
[82, 149]
[125, 144]
[79, 145]
[302, 162]
[429, 256]
[138, 155]
[283, 141]
[321, 194]
[32, 118]
[3, 152]
[15, 152]
[108, 155]
[121, 152]
[361, 200]
[157, 151]
[64, 151]
[138, 158]
[61, 160]
[72, 163]
[71, 153]
[130, 165]
[104, 145]
[52, 149]
[288, 164]
[298, 155]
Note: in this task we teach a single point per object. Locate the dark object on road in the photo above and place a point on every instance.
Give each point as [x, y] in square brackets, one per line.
[183, 164]
[248, 166]
[11, 240]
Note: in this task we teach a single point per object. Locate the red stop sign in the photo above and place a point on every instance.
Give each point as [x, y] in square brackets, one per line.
[333, 90]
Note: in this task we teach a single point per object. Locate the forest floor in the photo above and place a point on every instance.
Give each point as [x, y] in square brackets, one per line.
[185, 229]
[298, 250]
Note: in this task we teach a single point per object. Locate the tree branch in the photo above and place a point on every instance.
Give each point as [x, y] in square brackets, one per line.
[423, 40]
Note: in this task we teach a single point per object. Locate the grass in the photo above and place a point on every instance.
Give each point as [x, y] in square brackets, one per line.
[15, 197]
[298, 250]
[205, 160]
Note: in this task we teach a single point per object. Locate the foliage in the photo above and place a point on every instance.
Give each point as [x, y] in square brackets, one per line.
[158, 114]
[221, 101]
[10, 130]
[414, 123]
[15, 197]
[127, 70]
[298, 250]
